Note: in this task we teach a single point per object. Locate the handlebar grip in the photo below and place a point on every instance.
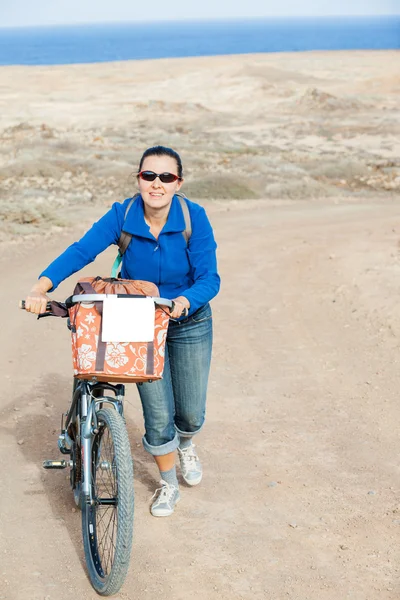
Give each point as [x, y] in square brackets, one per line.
[21, 305]
[185, 311]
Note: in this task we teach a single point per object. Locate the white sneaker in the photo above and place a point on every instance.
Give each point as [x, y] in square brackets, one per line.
[167, 497]
[191, 468]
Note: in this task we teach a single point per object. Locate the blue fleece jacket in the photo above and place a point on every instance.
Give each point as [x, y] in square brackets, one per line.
[176, 268]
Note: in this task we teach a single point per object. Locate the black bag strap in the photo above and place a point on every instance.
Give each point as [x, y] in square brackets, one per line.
[125, 237]
[86, 288]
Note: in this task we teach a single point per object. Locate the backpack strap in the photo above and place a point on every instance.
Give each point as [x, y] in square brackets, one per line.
[186, 215]
[125, 237]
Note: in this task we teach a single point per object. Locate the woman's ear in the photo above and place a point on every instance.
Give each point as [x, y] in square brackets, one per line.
[179, 184]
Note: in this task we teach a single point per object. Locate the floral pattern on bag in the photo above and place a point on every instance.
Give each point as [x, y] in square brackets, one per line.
[116, 355]
[86, 357]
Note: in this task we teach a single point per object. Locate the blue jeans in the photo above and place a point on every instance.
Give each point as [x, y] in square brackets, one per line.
[174, 407]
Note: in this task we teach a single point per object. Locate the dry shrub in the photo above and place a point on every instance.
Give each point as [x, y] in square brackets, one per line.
[337, 169]
[65, 147]
[34, 168]
[316, 99]
[27, 213]
[221, 188]
[108, 168]
[305, 188]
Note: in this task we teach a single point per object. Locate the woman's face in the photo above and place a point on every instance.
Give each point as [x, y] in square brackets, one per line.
[156, 194]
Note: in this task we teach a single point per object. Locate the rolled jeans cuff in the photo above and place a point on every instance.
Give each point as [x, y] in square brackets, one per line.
[163, 449]
[188, 434]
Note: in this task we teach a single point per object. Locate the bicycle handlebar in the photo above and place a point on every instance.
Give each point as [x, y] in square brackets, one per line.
[21, 305]
[100, 297]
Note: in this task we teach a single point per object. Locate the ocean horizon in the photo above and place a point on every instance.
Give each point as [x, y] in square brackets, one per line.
[108, 42]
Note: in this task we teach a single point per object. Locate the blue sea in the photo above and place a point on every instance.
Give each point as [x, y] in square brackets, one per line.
[110, 42]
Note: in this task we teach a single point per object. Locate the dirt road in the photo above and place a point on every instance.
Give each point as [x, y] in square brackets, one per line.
[300, 498]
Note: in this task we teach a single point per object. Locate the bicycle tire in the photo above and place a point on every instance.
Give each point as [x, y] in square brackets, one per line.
[107, 575]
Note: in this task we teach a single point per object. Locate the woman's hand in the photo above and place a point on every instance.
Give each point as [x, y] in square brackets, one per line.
[182, 306]
[37, 300]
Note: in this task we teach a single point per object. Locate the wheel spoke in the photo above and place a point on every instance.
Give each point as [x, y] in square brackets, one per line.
[106, 554]
[102, 516]
[109, 542]
[106, 528]
[104, 482]
[112, 553]
[98, 488]
[99, 473]
[110, 458]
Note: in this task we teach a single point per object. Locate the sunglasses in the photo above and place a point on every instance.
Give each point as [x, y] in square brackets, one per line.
[163, 177]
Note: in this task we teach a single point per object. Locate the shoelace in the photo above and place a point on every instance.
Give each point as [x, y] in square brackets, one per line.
[189, 455]
[166, 491]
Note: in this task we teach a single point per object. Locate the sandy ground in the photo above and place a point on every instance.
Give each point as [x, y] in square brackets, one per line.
[301, 491]
[300, 497]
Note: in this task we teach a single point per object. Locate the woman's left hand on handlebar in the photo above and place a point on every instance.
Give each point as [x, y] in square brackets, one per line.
[36, 301]
[181, 307]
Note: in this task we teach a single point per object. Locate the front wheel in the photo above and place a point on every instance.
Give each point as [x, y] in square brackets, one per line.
[107, 524]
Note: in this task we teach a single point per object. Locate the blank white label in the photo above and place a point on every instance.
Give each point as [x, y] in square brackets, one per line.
[128, 320]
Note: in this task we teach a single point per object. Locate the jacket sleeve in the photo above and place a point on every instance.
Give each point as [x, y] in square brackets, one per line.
[102, 234]
[203, 261]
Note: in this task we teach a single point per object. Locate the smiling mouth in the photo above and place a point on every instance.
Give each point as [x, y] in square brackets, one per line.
[156, 194]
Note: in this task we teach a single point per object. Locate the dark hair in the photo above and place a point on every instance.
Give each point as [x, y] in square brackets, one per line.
[163, 151]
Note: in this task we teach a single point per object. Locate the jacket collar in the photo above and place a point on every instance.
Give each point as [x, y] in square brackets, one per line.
[136, 225]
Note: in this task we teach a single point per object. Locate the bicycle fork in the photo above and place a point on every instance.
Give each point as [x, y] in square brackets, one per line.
[88, 428]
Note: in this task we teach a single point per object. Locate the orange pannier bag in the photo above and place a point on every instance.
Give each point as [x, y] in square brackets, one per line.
[110, 361]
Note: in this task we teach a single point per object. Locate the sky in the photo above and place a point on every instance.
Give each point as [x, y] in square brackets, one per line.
[17, 13]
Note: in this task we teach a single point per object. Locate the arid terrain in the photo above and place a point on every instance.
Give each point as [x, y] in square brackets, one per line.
[296, 159]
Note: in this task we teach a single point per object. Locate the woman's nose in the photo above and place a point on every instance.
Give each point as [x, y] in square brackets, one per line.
[157, 182]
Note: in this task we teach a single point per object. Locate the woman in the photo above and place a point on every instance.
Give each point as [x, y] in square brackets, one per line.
[173, 407]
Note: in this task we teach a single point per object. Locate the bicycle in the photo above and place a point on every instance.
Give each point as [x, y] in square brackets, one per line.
[94, 435]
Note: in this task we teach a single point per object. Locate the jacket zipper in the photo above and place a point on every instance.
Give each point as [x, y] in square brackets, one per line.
[159, 261]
